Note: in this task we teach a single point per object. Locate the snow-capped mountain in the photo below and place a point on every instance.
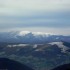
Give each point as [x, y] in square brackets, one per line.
[31, 37]
[41, 47]
[61, 46]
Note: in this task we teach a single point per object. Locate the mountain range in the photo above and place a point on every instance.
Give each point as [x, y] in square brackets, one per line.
[31, 37]
[37, 50]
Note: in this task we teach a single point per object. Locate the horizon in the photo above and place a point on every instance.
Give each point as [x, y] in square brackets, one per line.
[21, 33]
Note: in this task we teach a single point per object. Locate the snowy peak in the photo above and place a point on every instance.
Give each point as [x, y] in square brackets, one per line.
[22, 33]
[57, 43]
[31, 37]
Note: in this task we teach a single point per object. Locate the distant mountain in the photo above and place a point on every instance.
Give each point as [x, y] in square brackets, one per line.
[31, 37]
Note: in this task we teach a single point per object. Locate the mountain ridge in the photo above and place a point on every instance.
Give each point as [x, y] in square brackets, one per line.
[31, 37]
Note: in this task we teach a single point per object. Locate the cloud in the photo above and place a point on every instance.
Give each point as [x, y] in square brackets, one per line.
[22, 14]
[22, 7]
[48, 19]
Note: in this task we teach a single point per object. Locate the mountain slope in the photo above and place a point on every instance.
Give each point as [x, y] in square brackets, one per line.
[8, 64]
[37, 56]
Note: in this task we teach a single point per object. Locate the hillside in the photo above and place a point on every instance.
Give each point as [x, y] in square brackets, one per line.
[37, 56]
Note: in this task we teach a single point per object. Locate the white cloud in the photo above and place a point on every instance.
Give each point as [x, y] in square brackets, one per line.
[15, 7]
[35, 9]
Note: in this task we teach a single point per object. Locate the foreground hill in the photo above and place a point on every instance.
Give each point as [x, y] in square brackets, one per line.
[7, 64]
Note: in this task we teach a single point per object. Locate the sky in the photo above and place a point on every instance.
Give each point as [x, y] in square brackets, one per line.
[50, 16]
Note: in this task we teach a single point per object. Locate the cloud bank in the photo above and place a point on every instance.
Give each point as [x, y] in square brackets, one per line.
[32, 14]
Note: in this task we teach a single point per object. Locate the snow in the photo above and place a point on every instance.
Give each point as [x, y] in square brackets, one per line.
[23, 33]
[60, 45]
[18, 45]
[35, 46]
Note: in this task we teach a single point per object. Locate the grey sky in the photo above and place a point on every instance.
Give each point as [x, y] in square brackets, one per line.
[35, 15]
